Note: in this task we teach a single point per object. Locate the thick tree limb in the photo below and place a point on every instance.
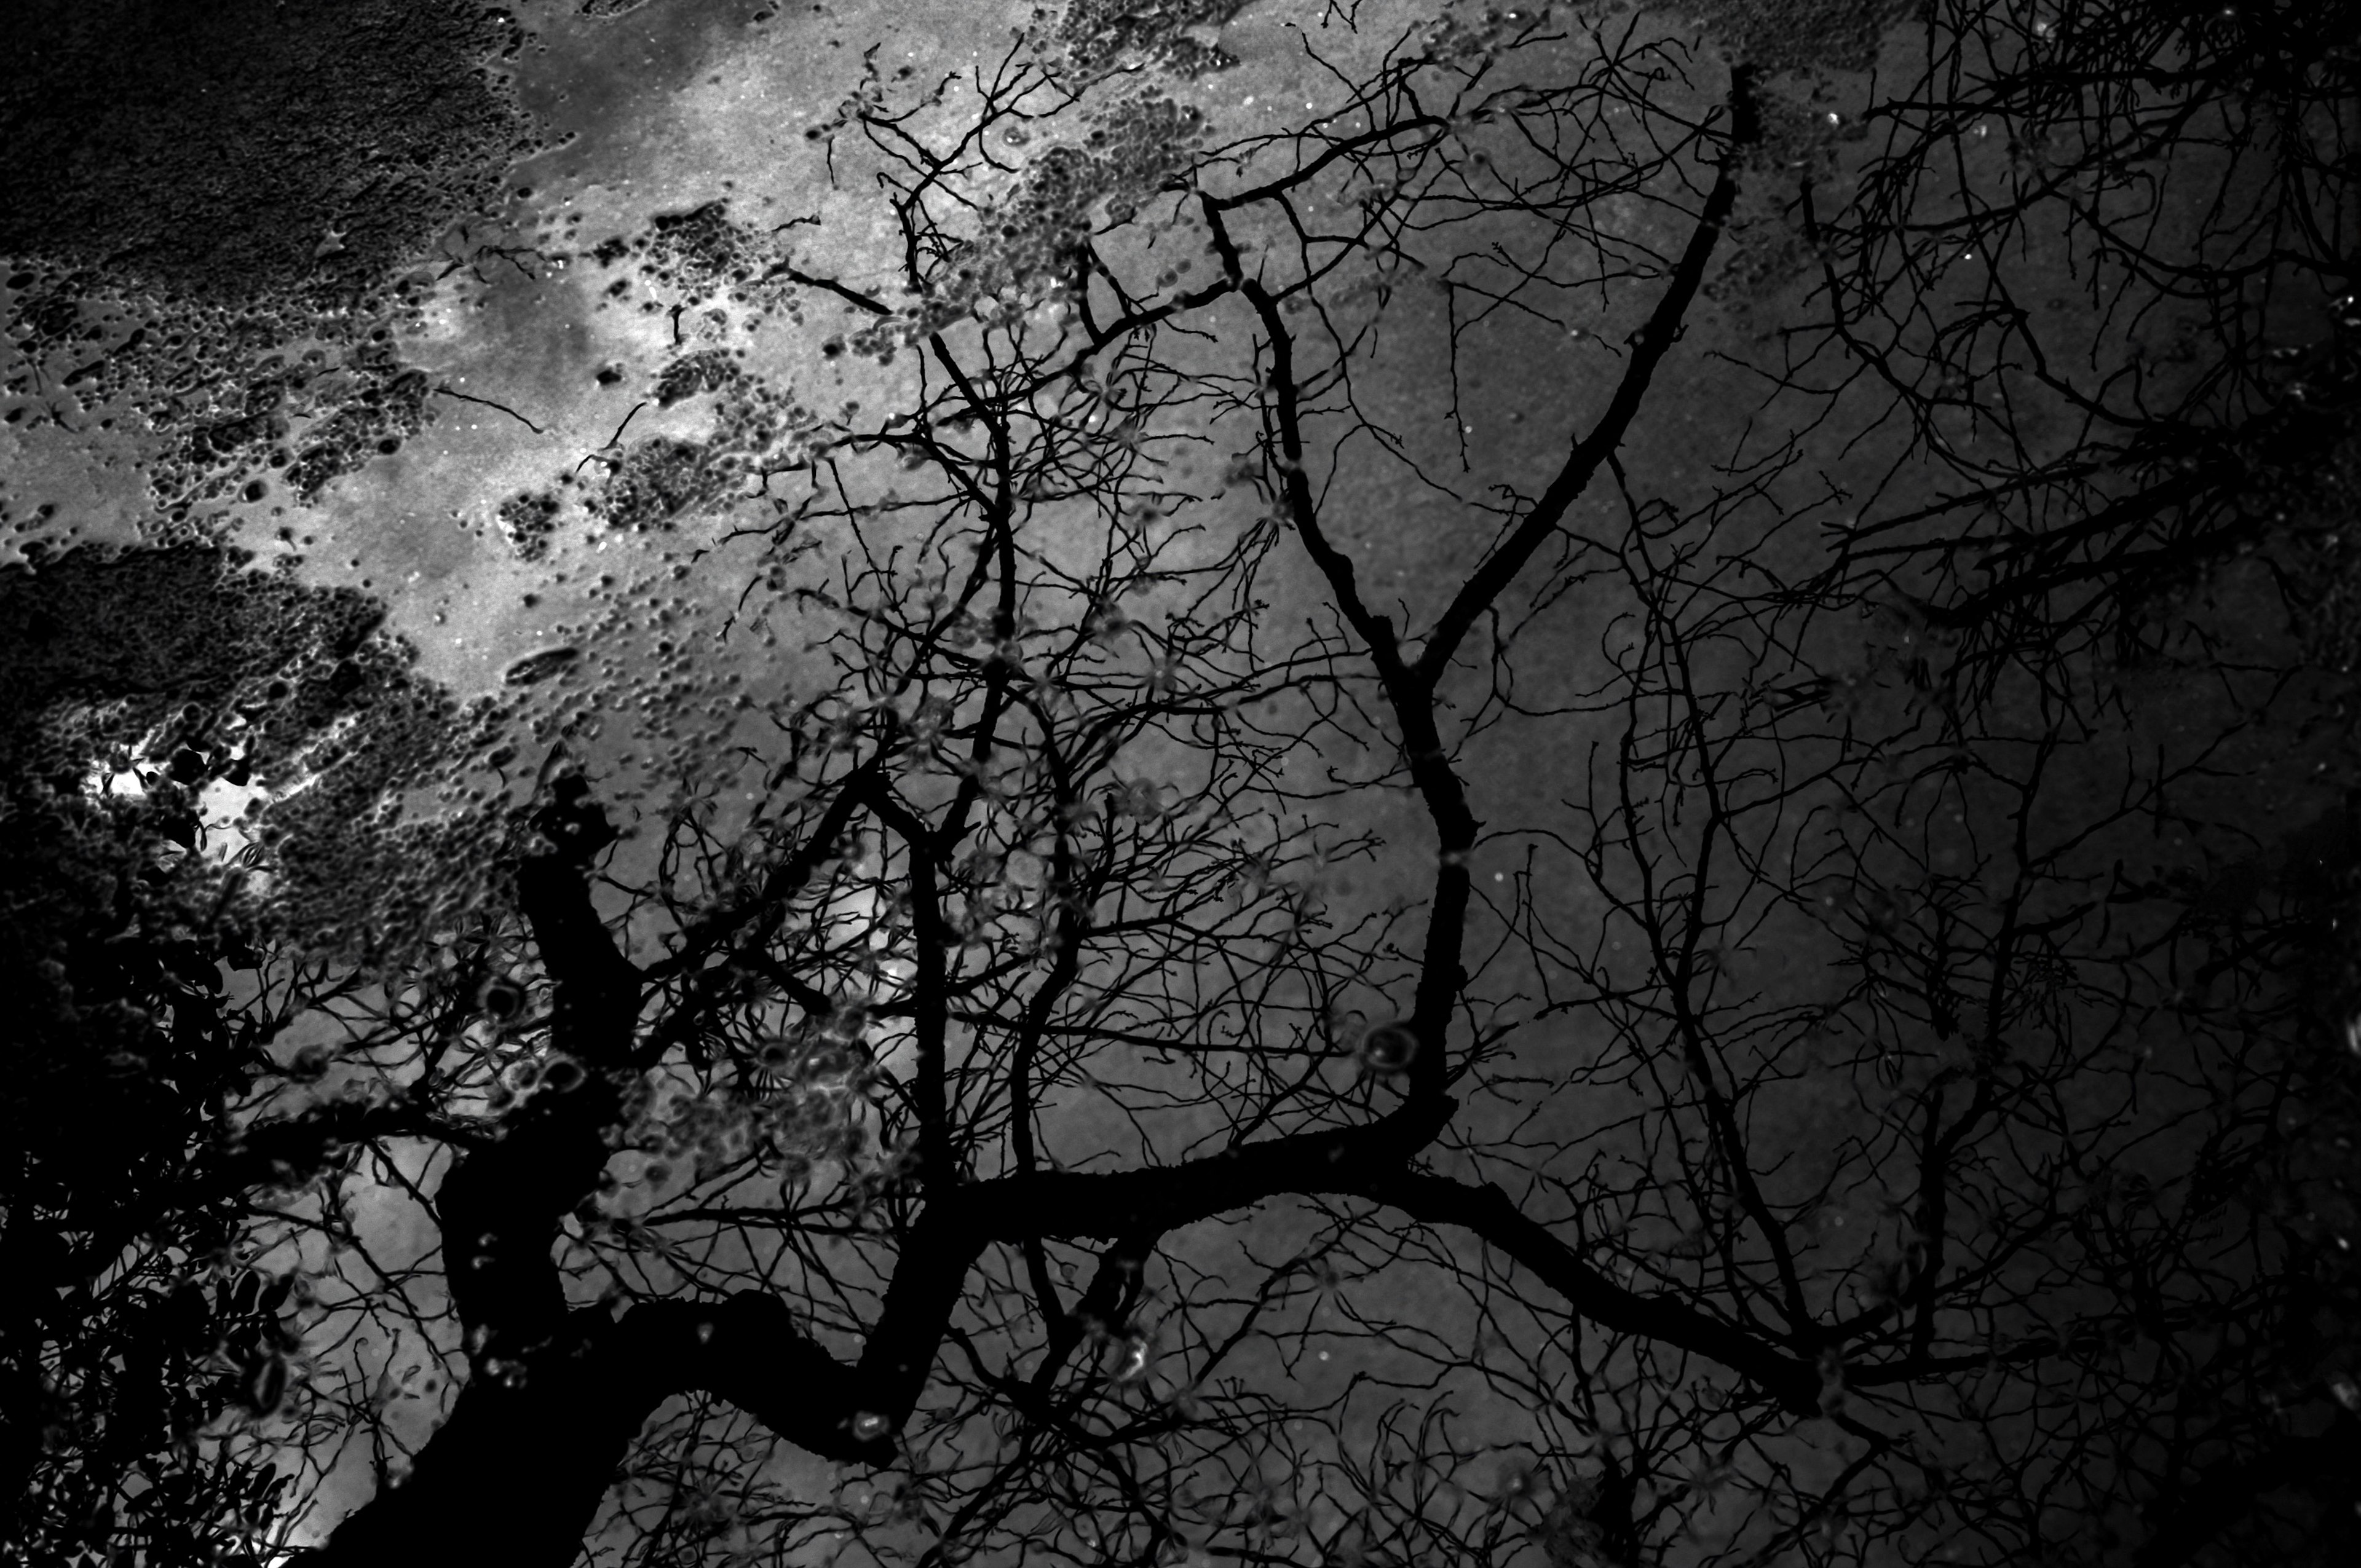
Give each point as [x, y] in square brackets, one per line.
[1488, 1212]
[930, 1274]
[750, 1351]
[514, 1476]
[1072, 1204]
[500, 1207]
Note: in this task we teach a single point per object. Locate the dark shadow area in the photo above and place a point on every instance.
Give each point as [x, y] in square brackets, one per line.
[226, 151]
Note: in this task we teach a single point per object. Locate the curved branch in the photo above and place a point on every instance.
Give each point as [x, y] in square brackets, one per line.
[1488, 1212]
[1494, 575]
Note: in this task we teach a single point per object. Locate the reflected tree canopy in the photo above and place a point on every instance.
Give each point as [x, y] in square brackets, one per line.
[1780, 998]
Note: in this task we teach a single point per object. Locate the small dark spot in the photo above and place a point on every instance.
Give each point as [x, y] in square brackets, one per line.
[256, 489]
[390, 445]
[610, 374]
